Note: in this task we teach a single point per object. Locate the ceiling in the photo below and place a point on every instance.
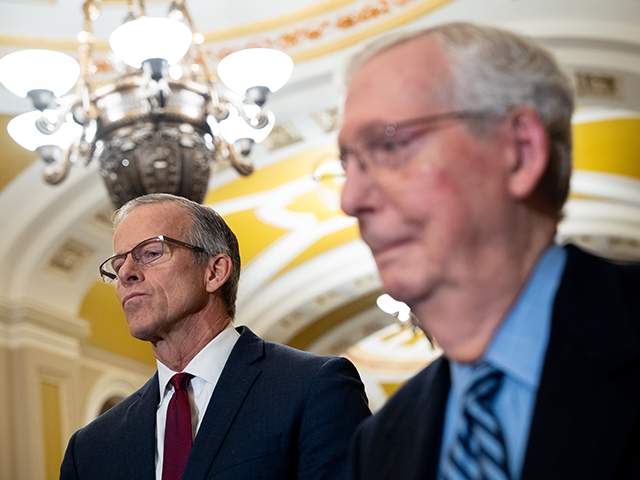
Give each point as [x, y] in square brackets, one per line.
[307, 280]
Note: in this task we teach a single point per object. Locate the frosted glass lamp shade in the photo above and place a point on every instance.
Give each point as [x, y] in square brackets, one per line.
[255, 67]
[147, 37]
[235, 127]
[26, 70]
[24, 132]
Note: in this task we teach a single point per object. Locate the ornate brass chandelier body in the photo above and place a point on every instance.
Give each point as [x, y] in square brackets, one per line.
[150, 131]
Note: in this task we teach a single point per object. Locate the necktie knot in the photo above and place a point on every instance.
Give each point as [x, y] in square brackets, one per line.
[180, 381]
[485, 385]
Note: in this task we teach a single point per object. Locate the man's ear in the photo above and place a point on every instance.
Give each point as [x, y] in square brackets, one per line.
[218, 270]
[531, 148]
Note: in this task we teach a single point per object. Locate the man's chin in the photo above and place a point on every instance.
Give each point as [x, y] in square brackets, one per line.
[146, 333]
[402, 289]
[397, 290]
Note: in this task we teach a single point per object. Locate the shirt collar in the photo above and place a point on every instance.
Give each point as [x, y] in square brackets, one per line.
[207, 364]
[527, 327]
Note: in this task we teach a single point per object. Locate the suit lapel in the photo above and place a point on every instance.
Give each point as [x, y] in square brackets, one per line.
[431, 441]
[238, 376]
[140, 434]
[589, 389]
[411, 434]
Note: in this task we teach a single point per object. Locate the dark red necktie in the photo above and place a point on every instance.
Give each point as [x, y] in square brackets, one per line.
[177, 434]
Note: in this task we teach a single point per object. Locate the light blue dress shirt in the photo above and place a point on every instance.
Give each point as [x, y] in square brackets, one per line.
[518, 350]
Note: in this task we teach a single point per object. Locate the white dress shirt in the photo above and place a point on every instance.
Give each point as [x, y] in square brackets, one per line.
[206, 368]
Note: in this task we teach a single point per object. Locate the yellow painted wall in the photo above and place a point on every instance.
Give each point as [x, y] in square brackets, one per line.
[50, 395]
[109, 329]
[608, 146]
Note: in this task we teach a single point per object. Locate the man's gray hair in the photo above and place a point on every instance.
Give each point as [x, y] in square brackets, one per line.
[494, 70]
[208, 231]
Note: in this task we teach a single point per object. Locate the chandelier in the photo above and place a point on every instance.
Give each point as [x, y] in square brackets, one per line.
[165, 119]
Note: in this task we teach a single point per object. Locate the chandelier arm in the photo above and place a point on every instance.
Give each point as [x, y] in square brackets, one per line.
[46, 126]
[262, 117]
[57, 170]
[219, 109]
[83, 88]
[242, 164]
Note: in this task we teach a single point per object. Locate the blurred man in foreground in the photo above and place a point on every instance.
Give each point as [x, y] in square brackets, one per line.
[456, 142]
[224, 403]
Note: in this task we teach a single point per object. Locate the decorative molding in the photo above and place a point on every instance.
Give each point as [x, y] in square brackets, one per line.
[374, 15]
[599, 86]
[338, 340]
[308, 27]
[25, 335]
[102, 219]
[282, 135]
[41, 328]
[327, 119]
[70, 258]
[281, 21]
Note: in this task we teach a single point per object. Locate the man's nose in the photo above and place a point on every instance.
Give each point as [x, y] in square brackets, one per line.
[355, 190]
[130, 271]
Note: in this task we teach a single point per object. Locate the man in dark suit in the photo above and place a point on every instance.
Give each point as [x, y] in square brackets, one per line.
[456, 143]
[224, 404]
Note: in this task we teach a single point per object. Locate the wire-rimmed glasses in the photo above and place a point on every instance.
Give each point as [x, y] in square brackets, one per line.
[393, 144]
[145, 253]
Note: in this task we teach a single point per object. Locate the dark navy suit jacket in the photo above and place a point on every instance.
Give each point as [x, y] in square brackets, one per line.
[586, 421]
[276, 413]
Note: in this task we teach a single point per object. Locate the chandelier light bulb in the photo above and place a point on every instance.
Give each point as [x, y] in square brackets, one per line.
[150, 37]
[255, 67]
[28, 70]
[389, 305]
[24, 132]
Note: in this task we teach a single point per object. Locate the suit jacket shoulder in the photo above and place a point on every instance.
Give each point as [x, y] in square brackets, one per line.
[402, 440]
[118, 444]
[586, 421]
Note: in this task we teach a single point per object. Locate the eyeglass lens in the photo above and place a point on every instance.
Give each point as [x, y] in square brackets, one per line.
[145, 253]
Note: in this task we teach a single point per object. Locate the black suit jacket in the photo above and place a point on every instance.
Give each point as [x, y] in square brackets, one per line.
[276, 413]
[586, 421]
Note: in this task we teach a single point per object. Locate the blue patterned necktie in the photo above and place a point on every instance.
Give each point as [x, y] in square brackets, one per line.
[479, 451]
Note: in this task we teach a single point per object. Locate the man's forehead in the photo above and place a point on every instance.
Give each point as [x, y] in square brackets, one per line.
[399, 83]
[148, 221]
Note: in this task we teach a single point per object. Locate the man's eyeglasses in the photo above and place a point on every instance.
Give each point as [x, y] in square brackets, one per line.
[391, 145]
[145, 253]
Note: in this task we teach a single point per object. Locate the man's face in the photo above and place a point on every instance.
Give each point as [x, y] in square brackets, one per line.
[158, 297]
[430, 221]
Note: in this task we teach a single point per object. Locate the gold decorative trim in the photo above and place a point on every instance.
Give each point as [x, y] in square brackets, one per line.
[323, 27]
[395, 22]
[19, 42]
[286, 39]
[278, 22]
